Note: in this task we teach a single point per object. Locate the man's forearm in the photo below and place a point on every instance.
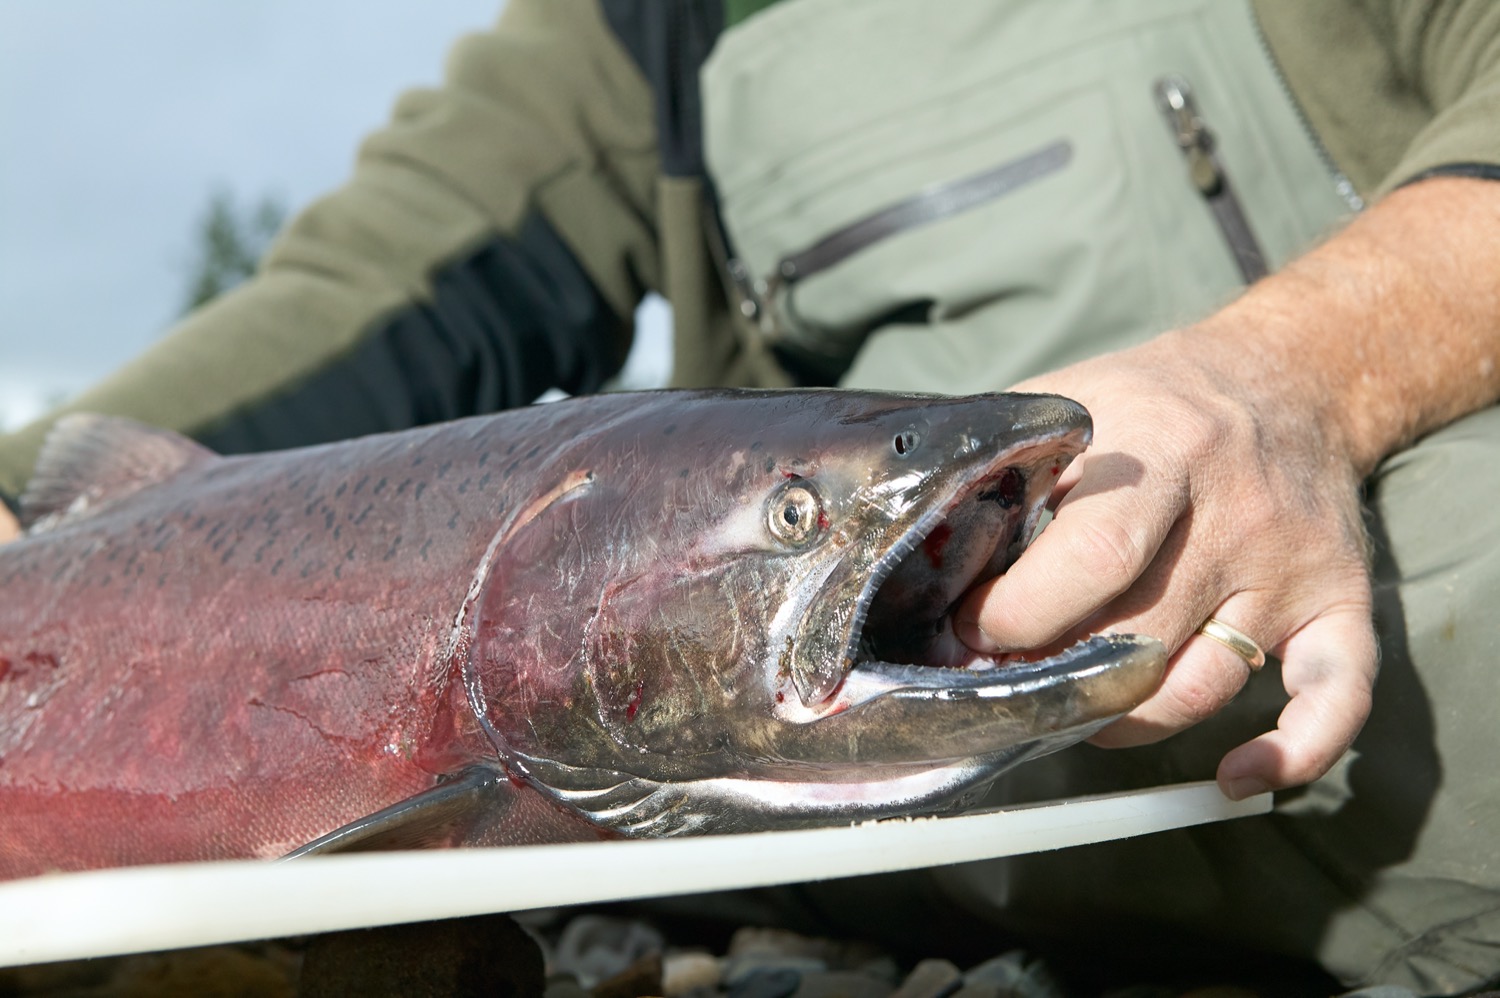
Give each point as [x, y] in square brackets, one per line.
[1223, 478]
[1389, 330]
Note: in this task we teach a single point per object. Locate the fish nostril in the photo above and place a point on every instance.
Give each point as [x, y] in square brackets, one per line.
[907, 441]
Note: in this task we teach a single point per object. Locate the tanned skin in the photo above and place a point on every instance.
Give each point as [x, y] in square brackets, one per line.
[1224, 475]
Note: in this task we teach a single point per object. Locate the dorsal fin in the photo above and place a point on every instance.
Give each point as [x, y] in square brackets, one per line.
[90, 461]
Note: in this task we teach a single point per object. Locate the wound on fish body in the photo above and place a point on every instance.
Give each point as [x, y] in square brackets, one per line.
[301, 658]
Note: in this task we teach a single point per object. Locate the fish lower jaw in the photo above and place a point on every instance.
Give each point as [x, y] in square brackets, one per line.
[968, 674]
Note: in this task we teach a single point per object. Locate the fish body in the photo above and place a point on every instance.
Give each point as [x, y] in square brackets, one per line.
[631, 614]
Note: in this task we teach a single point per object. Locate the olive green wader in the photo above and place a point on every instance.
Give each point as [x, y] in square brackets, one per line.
[1087, 176]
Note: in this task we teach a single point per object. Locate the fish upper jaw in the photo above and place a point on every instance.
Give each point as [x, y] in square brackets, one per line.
[911, 543]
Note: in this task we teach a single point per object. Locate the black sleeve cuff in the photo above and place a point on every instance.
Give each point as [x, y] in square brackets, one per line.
[517, 316]
[1479, 171]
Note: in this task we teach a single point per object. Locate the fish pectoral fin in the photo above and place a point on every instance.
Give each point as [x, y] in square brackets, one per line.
[442, 816]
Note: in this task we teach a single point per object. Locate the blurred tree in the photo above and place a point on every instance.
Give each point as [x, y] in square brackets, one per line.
[230, 242]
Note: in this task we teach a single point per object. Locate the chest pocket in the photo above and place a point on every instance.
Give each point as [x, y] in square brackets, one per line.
[953, 197]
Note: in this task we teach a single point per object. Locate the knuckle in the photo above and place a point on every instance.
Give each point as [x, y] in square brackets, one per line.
[1023, 619]
[1192, 700]
[1201, 431]
[1109, 553]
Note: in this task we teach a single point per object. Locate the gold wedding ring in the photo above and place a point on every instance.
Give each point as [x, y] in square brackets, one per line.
[1235, 640]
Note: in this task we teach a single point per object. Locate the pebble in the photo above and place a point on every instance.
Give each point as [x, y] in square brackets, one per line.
[882, 968]
[1015, 976]
[837, 954]
[842, 984]
[593, 948]
[565, 986]
[770, 982]
[932, 978]
[643, 977]
[737, 968]
[684, 973]
[981, 989]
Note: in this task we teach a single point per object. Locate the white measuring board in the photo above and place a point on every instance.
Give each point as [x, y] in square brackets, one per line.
[147, 908]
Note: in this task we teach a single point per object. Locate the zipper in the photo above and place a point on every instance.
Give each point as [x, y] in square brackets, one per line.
[929, 205]
[1342, 185]
[1206, 172]
[764, 299]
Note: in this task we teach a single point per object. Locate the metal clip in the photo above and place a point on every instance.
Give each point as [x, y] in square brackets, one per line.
[1193, 136]
[1207, 174]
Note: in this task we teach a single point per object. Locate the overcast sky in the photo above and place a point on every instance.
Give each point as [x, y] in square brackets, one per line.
[117, 121]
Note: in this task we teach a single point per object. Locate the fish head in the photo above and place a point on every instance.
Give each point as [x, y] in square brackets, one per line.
[757, 623]
[903, 511]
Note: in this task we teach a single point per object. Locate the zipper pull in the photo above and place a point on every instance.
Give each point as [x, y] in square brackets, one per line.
[1193, 136]
[749, 289]
[747, 294]
[1206, 174]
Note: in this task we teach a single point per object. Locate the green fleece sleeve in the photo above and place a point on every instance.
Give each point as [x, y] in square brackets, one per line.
[1452, 51]
[1393, 89]
[536, 155]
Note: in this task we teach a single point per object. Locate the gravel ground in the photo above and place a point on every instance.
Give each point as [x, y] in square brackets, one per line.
[619, 953]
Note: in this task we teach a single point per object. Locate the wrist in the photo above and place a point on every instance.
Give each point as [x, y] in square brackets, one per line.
[1387, 331]
[1272, 352]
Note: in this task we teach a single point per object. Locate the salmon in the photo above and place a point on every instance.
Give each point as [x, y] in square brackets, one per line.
[635, 614]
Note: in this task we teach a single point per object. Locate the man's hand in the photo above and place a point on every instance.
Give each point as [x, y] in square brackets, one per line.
[9, 528]
[1200, 498]
[1225, 466]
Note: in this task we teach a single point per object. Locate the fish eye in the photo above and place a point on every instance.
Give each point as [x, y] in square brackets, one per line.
[794, 513]
[906, 442]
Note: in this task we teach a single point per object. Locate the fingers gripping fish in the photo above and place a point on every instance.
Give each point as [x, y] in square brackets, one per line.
[648, 614]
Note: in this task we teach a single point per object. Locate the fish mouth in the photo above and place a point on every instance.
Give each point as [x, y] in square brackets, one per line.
[905, 616]
[902, 639]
